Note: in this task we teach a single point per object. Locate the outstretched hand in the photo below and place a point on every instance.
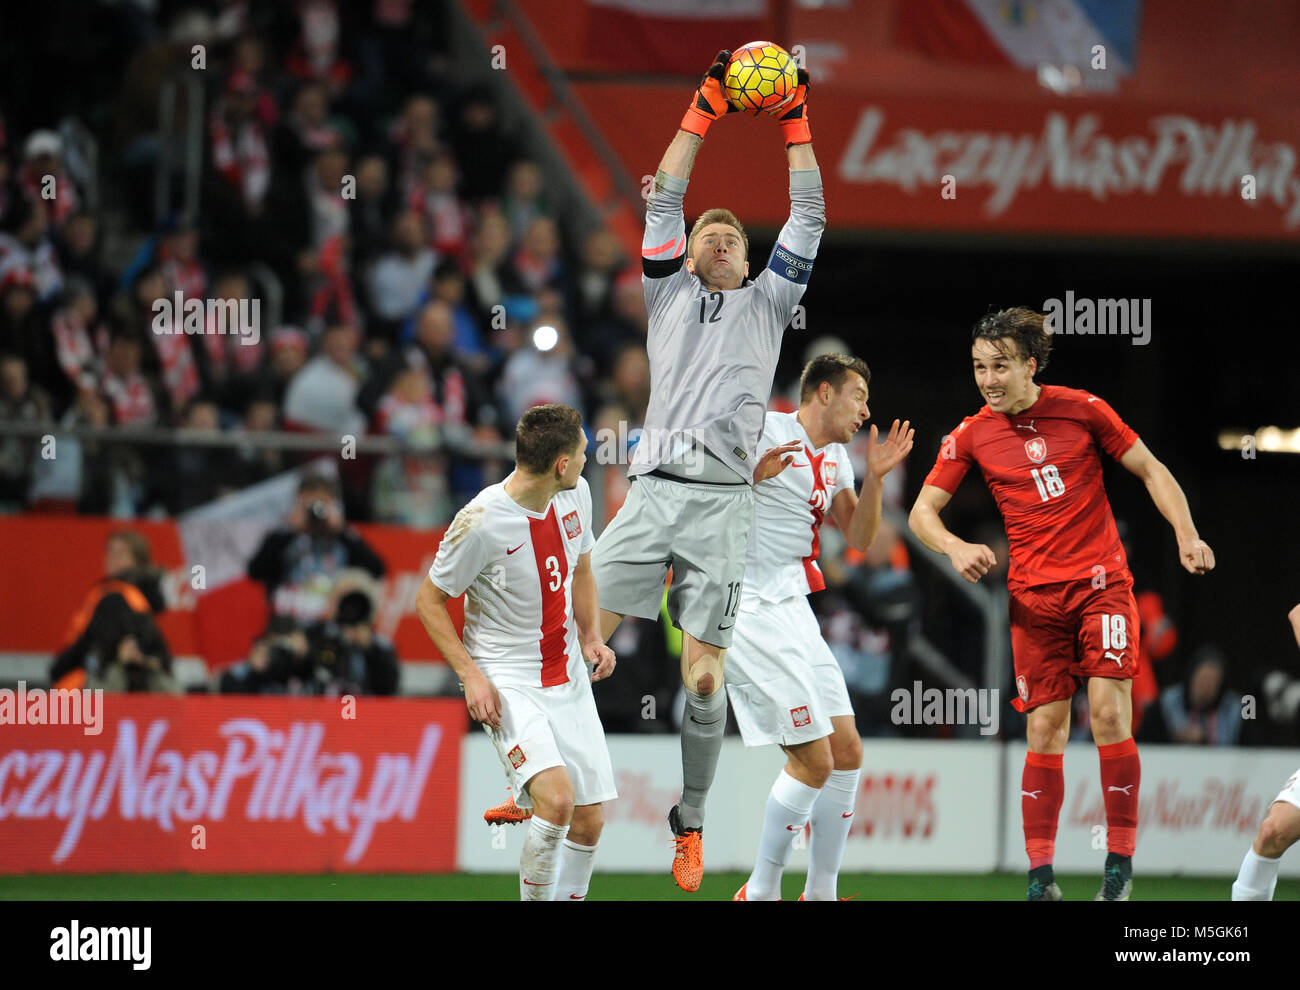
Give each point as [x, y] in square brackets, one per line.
[709, 102]
[774, 461]
[794, 115]
[884, 457]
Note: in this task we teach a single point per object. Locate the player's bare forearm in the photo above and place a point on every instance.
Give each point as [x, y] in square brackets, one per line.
[866, 514]
[1169, 498]
[1294, 617]
[1193, 552]
[971, 560]
[680, 156]
[924, 521]
[431, 607]
[586, 610]
[800, 156]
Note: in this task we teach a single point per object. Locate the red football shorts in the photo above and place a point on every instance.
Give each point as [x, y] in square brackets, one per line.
[1063, 633]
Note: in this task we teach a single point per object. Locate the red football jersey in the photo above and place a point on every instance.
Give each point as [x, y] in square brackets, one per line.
[1044, 470]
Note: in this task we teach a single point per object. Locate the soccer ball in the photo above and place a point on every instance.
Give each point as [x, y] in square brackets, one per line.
[761, 78]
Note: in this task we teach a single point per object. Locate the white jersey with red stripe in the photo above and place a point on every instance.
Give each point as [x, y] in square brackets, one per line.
[788, 511]
[515, 568]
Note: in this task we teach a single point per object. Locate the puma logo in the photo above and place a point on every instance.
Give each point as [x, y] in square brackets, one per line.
[1124, 790]
[1032, 794]
[1026, 426]
[1118, 659]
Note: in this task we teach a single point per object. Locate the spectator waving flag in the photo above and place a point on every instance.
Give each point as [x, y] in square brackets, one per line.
[1028, 34]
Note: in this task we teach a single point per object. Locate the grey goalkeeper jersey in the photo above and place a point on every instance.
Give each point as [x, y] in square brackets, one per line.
[713, 354]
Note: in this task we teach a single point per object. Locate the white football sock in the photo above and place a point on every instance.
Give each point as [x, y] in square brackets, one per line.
[1257, 878]
[538, 861]
[832, 817]
[576, 863]
[788, 806]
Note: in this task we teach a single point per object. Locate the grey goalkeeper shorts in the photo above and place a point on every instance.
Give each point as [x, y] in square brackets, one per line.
[699, 530]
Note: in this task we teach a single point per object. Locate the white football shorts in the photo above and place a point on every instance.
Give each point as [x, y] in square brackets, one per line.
[783, 682]
[544, 727]
[1290, 793]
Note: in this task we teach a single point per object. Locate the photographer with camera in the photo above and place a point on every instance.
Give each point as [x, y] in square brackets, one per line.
[300, 562]
[278, 663]
[135, 658]
[348, 655]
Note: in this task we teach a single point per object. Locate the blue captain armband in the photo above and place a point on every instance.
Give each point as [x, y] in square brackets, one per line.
[789, 265]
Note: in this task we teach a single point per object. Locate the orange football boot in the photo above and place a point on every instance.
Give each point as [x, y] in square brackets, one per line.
[688, 861]
[507, 812]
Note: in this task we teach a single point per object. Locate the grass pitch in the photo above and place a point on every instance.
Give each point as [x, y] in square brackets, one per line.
[604, 886]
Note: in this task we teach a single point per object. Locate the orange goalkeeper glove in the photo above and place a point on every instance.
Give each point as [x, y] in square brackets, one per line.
[709, 102]
[794, 116]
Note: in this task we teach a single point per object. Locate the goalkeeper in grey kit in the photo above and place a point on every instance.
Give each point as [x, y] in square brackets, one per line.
[714, 339]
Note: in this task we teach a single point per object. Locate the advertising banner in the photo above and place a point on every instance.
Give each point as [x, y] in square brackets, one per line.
[920, 806]
[199, 784]
[1198, 811]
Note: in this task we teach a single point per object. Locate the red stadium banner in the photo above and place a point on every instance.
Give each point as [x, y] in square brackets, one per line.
[232, 785]
[1082, 167]
[53, 561]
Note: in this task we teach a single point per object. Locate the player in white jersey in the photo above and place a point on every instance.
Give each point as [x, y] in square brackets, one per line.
[714, 339]
[1257, 878]
[786, 687]
[520, 553]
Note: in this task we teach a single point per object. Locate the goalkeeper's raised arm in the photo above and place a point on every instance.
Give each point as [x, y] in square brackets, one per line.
[664, 244]
[790, 264]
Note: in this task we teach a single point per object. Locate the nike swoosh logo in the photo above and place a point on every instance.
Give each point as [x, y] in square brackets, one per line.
[721, 627]
[531, 884]
[797, 464]
[576, 897]
[509, 552]
[795, 828]
[847, 814]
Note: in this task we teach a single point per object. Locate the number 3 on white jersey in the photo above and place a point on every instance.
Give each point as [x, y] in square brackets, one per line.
[1049, 482]
[553, 568]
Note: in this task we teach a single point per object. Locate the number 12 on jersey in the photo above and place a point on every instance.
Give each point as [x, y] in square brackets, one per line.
[717, 308]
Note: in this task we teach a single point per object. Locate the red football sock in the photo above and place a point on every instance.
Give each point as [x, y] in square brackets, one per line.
[1042, 790]
[1121, 773]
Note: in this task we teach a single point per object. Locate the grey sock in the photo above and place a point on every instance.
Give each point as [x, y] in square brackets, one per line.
[703, 723]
